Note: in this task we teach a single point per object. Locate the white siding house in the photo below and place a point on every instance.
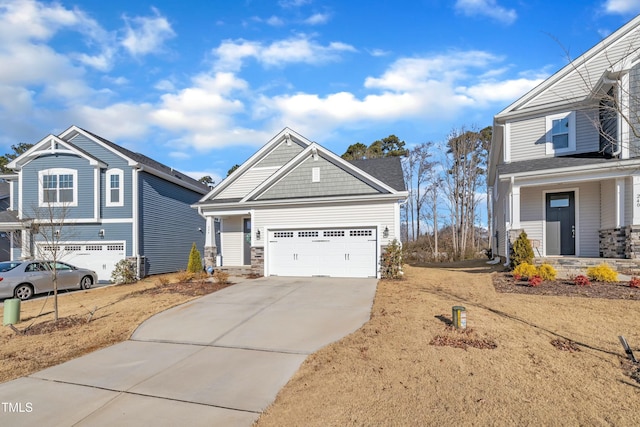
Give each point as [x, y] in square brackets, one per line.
[296, 209]
[564, 164]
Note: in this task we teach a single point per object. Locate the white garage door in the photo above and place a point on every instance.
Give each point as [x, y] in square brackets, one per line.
[348, 252]
[100, 257]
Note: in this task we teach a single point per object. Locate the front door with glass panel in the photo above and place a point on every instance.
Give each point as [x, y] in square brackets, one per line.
[560, 224]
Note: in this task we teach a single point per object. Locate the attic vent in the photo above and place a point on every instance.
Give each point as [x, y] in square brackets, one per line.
[315, 174]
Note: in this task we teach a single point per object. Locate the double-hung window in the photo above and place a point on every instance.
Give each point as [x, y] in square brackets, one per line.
[114, 182]
[58, 187]
[561, 133]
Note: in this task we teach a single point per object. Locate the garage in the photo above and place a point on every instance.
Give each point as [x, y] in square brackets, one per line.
[100, 257]
[335, 252]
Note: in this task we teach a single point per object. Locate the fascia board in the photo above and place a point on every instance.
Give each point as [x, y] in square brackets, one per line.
[243, 206]
[581, 60]
[37, 150]
[561, 174]
[77, 130]
[254, 159]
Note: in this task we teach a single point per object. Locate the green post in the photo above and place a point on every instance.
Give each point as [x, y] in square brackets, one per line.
[11, 312]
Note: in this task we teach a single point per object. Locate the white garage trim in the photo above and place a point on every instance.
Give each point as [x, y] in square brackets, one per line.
[100, 256]
[322, 251]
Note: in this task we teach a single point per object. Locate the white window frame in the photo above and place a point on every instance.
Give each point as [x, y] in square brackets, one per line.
[571, 116]
[120, 174]
[57, 172]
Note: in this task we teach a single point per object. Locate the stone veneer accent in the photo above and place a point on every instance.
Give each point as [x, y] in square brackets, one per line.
[210, 253]
[620, 242]
[257, 260]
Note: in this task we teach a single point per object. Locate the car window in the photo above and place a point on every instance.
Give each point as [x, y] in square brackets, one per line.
[60, 266]
[6, 266]
[35, 266]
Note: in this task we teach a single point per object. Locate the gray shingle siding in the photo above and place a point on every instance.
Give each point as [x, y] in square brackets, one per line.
[334, 181]
[168, 224]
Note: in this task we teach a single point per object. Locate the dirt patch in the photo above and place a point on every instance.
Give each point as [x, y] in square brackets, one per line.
[505, 283]
[387, 373]
[88, 320]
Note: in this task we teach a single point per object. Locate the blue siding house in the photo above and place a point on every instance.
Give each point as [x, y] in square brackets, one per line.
[92, 203]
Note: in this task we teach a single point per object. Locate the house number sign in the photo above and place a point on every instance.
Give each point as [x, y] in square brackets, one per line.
[638, 200]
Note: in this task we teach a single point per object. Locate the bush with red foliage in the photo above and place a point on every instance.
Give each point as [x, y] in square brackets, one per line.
[634, 282]
[581, 280]
[535, 281]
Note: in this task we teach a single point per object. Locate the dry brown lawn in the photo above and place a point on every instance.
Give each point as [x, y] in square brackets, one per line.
[557, 360]
[117, 311]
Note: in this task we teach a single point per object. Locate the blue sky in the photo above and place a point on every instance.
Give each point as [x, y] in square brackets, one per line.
[201, 85]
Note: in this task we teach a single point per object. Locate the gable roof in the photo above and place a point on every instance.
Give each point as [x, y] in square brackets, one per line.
[140, 160]
[383, 176]
[285, 135]
[576, 81]
[50, 145]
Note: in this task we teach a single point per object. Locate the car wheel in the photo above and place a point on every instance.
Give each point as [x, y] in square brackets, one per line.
[23, 291]
[86, 282]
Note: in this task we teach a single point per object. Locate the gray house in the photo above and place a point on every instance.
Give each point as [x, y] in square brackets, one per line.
[565, 158]
[102, 203]
[295, 208]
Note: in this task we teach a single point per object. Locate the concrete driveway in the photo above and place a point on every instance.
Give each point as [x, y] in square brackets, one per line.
[218, 360]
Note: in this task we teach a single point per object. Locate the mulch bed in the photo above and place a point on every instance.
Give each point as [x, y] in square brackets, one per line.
[505, 283]
[195, 288]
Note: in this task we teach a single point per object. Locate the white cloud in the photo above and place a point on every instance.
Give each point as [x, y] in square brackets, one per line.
[488, 8]
[275, 21]
[145, 35]
[317, 19]
[293, 3]
[378, 52]
[622, 7]
[298, 49]
[120, 120]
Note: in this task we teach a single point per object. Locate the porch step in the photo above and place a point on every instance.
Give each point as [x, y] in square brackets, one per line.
[570, 267]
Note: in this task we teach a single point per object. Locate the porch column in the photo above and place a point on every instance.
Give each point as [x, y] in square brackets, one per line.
[619, 202]
[515, 207]
[636, 200]
[210, 250]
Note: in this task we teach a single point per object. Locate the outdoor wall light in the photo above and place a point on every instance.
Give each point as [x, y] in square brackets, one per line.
[258, 235]
[385, 233]
[57, 233]
[101, 233]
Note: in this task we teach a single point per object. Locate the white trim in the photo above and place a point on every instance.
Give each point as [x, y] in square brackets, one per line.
[576, 201]
[116, 221]
[624, 130]
[571, 133]
[135, 209]
[57, 172]
[120, 174]
[635, 202]
[96, 193]
[620, 201]
[507, 142]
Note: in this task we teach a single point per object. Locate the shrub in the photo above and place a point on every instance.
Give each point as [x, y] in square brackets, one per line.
[124, 272]
[391, 262]
[195, 261]
[221, 277]
[183, 276]
[535, 281]
[581, 280]
[602, 273]
[521, 251]
[547, 272]
[163, 281]
[524, 270]
[634, 282]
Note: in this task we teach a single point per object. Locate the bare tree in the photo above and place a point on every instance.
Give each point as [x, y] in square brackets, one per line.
[464, 167]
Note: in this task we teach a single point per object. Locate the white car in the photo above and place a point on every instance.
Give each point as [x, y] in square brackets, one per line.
[24, 279]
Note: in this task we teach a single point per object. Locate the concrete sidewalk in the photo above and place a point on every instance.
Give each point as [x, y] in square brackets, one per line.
[218, 360]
